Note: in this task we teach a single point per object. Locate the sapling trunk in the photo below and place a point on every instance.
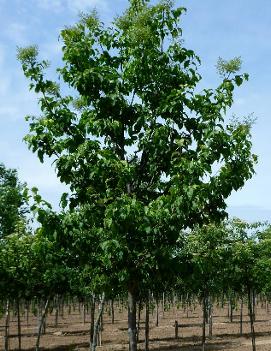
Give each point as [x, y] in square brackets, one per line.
[19, 325]
[138, 319]
[92, 319]
[203, 322]
[254, 305]
[84, 313]
[96, 326]
[27, 313]
[241, 316]
[147, 329]
[112, 311]
[157, 312]
[210, 318]
[132, 320]
[56, 311]
[42, 319]
[7, 326]
[163, 304]
[253, 340]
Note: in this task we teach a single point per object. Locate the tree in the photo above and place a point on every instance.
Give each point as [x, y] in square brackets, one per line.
[244, 257]
[13, 207]
[135, 140]
[207, 247]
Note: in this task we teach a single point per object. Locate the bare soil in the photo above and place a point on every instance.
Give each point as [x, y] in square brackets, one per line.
[73, 334]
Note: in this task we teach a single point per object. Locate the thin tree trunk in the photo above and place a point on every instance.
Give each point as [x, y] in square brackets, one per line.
[27, 313]
[132, 320]
[203, 322]
[157, 312]
[96, 326]
[253, 341]
[112, 312]
[92, 319]
[138, 319]
[56, 311]
[231, 311]
[163, 304]
[7, 327]
[254, 305]
[147, 320]
[19, 324]
[84, 313]
[241, 316]
[41, 324]
[210, 313]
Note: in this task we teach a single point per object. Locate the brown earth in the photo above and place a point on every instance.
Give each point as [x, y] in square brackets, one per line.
[72, 333]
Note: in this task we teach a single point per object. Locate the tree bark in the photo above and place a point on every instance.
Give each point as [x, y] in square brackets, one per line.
[92, 319]
[241, 316]
[132, 319]
[157, 312]
[19, 325]
[138, 319]
[253, 340]
[27, 313]
[112, 312]
[84, 313]
[203, 322]
[43, 316]
[147, 329]
[163, 304]
[210, 319]
[7, 326]
[56, 311]
[254, 305]
[96, 326]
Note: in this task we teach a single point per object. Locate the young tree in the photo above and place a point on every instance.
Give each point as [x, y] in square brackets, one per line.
[12, 202]
[135, 140]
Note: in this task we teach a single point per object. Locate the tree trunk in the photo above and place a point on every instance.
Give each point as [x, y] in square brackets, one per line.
[147, 330]
[210, 313]
[253, 341]
[203, 322]
[84, 313]
[163, 304]
[254, 305]
[19, 325]
[157, 312]
[27, 313]
[241, 316]
[132, 320]
[92, 319]
[231, 311]
[56, 311]
[7, 327]
[96, 326]
[138, 319]
[112, 312]
[41, 324]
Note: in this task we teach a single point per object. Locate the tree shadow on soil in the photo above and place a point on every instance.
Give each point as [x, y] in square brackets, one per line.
[69, 347]
[194, 347]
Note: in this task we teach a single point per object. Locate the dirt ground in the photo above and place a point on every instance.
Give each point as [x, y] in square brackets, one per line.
[73, 334]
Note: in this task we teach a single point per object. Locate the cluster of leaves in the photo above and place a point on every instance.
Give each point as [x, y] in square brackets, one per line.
[233, 256]
[13, 203]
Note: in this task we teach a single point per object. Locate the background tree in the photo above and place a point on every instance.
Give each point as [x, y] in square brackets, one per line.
[13, 207]
[135, 139]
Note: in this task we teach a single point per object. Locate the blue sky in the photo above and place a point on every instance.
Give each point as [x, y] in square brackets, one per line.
[211, 28]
